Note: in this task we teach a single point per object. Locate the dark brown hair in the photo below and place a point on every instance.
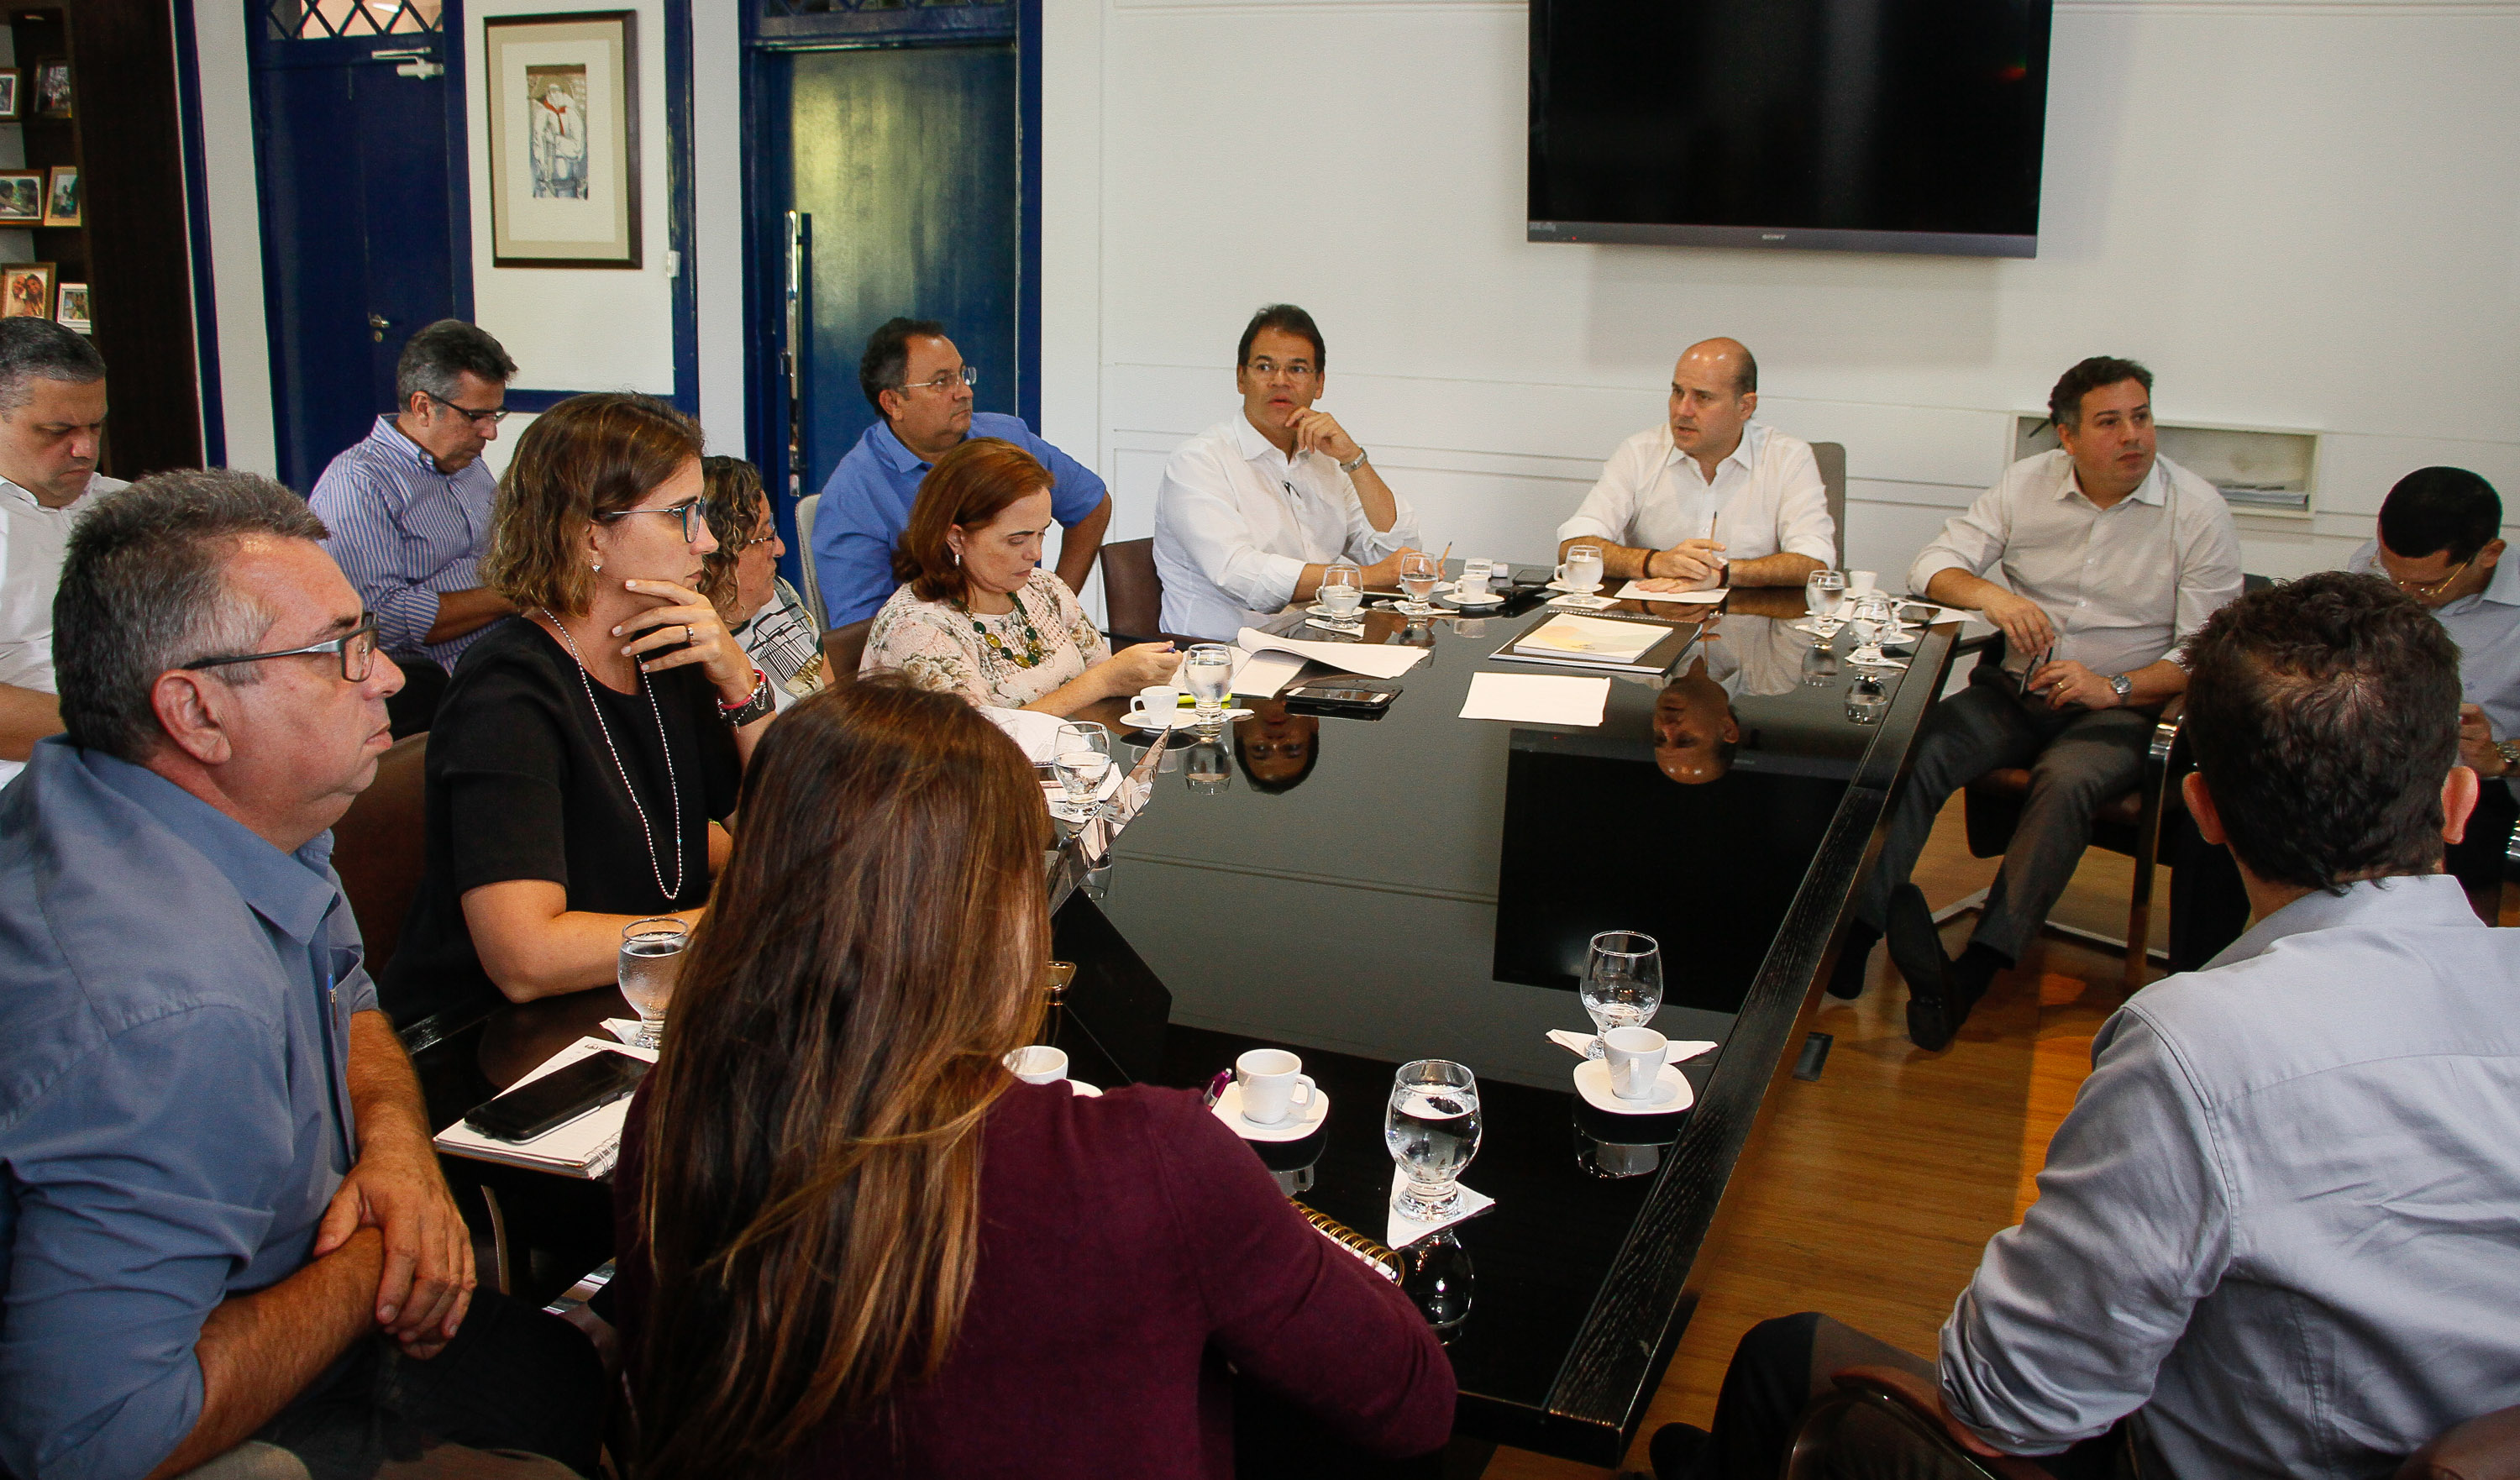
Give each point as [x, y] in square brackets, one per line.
[730, 496]
[2065, 399]
[587, 457]
[969, 486]
[2324, 716]
[811, 1201]
[1286, 318]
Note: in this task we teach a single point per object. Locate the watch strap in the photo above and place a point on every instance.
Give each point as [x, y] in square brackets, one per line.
[753, 707]
[2511, 749]
[1352, 465]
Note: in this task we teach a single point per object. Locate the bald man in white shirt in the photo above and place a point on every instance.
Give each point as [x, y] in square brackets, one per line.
[1710, 498]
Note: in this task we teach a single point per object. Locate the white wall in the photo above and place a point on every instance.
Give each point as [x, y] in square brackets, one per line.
[2301, 214]
[235, 247]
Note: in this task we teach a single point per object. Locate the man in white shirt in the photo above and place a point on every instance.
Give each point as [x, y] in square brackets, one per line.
[1252, 510]
[51, 411]
[1711, 498]
[2111, 557]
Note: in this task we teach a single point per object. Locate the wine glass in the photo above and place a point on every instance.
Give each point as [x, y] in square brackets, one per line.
[1342, 589]
[1081, 755]
[1580, 574]
[1207, 673]
[1622, 983]
[1867, 700]
[1432, 1129]
[1823, 593]
[1869, 613]
[652, 955]
[1419, 573]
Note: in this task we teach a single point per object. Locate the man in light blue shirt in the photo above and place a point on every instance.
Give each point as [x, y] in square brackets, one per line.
[223, 1232]
[2279, 1232]
[922, 392]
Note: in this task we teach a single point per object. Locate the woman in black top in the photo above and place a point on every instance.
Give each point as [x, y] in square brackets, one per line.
[585, 750]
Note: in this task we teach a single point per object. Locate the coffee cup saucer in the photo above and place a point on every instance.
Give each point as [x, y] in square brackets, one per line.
[1477, 597]
[1319, 609]
[1672, 1091]
[1179, 719]
[1301, 1121]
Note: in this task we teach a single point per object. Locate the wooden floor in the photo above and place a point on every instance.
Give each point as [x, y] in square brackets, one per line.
[1870, 1193]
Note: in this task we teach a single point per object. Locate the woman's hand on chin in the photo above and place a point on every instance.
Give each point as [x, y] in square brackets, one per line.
[685, 629]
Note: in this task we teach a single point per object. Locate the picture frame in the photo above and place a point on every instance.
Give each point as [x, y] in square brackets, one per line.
[53, 88]
[63, 202]
[71, 310]
[10, 78]
[26, 289]
[21, 198]
[563, 140]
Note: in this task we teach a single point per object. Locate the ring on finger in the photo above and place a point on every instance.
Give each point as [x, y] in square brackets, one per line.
[689, 637]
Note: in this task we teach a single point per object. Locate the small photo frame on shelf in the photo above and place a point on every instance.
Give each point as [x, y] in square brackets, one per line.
[71, 313]
[9, 77]
[22, 197]
[62, 201]
[26, 289]
[563, 94]
[52, 90]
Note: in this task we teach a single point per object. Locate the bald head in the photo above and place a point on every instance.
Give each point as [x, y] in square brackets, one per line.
[1713, 393]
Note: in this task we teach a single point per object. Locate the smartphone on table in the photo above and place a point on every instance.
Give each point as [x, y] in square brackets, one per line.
[558, 1098]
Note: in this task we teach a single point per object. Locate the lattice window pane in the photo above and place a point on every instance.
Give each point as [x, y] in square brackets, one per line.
[325, 20]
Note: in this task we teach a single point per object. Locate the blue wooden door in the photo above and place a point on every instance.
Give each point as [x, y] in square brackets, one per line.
[358, 144]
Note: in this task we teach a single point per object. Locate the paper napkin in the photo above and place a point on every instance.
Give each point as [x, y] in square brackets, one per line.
[1405, 1231]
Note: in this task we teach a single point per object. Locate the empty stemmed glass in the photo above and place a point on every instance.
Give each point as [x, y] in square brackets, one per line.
[1622, 984]
[1870, 615]
[1419, 573]
[1081, 755]
[1823, 593]
[1432, 1129]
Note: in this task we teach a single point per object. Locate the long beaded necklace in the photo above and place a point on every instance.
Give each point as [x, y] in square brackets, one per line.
[673, 795]
[1035, 650]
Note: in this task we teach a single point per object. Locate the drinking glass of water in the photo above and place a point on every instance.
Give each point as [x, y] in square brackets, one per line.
[1872, 621]
[651, 954]
[1342, 589]
[1081, 755]
[1432, 1130]
[1824, 592]
[1207, 673]
[1622, 983]
[1419, 573]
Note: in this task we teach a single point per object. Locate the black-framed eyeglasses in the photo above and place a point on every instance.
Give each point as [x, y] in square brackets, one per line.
[2427, 590]
[356, 648]
[1295, 370]
[969, 375]
[494, 416]
[691, 512]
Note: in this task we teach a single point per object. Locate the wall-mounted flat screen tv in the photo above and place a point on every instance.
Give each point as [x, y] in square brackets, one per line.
[1857, 126]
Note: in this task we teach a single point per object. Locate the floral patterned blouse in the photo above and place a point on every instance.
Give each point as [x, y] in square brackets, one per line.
[1002, 662]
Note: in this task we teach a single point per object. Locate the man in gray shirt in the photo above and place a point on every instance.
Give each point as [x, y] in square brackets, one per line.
[223, 1232]
[2281, 1227]
[2109, 557]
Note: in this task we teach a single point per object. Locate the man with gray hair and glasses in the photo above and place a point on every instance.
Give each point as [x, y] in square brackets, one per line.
[226, 1248]
[52, 419]
[409, 509]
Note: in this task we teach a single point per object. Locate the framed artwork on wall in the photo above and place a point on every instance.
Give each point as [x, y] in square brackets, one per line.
[53, 88]
[8, 76]
[62, 200]
[22, 197]
[26, 291]
[563, 140]
[71, 314]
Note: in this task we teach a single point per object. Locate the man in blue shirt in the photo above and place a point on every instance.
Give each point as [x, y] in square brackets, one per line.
[922, 392]
[223, 1230]
[2280, 1231]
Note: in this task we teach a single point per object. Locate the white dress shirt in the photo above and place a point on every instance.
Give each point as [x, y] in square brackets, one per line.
[32, 542]
[1237, 522]
[1767, 498]
[2125, 586]
[2487, 628]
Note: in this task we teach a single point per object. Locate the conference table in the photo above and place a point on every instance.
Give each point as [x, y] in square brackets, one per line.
[1369, 890]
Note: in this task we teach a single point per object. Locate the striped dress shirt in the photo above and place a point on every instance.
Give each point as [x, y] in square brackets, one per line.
[403, 532]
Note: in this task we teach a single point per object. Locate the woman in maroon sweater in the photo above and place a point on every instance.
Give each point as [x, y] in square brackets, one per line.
[857, 1246]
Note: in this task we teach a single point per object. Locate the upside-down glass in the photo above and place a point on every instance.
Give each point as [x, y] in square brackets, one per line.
[1208, 673]
[1431, 1127]
[1419, 573]
[1342, 589]
[652, 955]
[1081, 756]
[1622, 984]
[1823, 593]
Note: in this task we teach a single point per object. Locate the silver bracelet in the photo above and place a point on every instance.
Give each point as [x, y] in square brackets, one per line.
[1351, 467]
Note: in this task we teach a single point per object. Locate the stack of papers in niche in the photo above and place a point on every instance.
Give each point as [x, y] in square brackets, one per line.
[586, 1146]
[1592, 641]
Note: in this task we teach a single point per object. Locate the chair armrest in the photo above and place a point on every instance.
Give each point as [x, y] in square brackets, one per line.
[2165, 731]
[1924, 1400]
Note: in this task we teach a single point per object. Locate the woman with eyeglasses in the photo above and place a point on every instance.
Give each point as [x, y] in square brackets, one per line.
[588, 749]
[742, 579]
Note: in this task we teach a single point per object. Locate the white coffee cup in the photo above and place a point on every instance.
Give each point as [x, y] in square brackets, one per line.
[1270, 1078]
[1039, 1063]
[1581, 569]
[1635, 1056]
[1158, 698]
[1474, 574]
[1859, 582]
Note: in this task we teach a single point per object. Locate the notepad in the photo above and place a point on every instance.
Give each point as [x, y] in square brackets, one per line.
[1635, 591]
[586, 1146]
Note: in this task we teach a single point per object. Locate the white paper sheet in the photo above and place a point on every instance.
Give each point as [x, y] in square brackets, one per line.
[586, 1146]
[1402, 1231]
[1536, 698]
[1372, 659]
[1260, 675]
[1635, 591]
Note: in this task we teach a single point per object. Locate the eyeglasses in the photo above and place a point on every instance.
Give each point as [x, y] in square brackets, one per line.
[2427, 590]
[763, 538]
[969, 375]
[694, 519]
[494, 416]
[357, 649]
[1295, 370]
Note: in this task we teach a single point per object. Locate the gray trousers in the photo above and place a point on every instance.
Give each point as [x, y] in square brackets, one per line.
[2078, 760]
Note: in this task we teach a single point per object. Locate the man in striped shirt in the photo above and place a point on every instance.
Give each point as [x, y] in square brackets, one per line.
[409, 509]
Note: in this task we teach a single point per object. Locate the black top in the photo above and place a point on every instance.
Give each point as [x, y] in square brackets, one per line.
[522, 786]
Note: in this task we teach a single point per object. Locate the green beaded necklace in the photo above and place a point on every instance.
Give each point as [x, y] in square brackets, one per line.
[1035, 650]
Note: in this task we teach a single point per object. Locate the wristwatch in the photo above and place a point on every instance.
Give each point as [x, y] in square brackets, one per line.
[1355, 463]
[2121, 686]
[752, 708]
[2509, 749]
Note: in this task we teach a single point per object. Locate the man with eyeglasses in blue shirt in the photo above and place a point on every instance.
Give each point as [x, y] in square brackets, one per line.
[409, 507]
[922, 392]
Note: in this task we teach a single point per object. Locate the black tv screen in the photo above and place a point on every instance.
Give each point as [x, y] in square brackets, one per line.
[1867, 125]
